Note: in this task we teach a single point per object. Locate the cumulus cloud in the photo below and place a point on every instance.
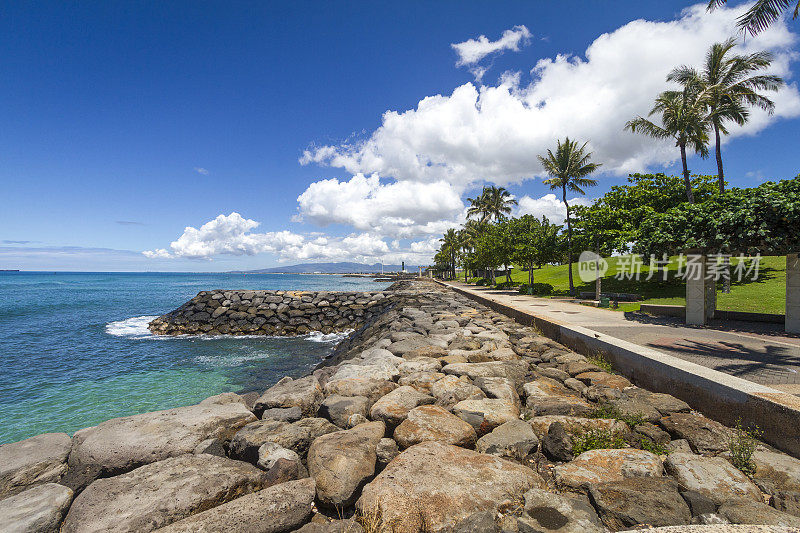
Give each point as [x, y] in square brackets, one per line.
[472, 51]
[398, 209]
[233, 235]
[201, 170]
[494, 133]
[548, 206]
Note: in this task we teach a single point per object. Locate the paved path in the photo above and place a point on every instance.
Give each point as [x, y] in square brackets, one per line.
[762, 353]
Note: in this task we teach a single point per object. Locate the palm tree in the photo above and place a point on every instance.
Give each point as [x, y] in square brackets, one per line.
[763, 13]
[726, 87]
[498, 202]
[451, 244]
[569, 168]
[479, 206]
[683, 120]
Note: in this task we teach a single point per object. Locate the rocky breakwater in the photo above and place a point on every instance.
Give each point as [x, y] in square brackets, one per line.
[437, 415]
[222, 312]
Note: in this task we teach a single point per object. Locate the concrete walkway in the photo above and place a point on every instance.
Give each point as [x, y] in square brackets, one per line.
[761, 353]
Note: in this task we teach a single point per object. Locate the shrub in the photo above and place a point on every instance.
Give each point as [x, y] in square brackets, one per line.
[596, 439]
[507, 285]
[742, 444]
[600, 360]
[607, 410]
[541, 289]
[648, 444]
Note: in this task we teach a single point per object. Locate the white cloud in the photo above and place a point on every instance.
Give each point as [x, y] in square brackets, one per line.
[399, 209]
[233, 235]
[201, 170]
[549, 206]
[472, 51]
[495, 133]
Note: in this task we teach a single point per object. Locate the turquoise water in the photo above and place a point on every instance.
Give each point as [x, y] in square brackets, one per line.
[75, 350]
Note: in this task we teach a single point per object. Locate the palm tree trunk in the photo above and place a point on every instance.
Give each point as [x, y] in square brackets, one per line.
[720, 173]
[569, 241]
[686, 181]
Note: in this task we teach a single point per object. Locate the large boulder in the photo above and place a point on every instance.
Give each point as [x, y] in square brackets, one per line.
[545, 511]
[745, 511]
[558, 405]
[500, 388]
[432, 486]
[713, 477]
[305, 393]
[776, 470]
[431, 422]
[422, 381]
[639, 501]
[514, 439]
[339, 409]
[576, 425]
[275, 509]
[603, 466]
[122, 444]
[486, 414]
[296, 436]
[400, 348]
[360, 386]
[342, 462]
[614, 381]
[394, 407]
[513, 370]
[37, 510]
[39, 459]
[450, 390]
[160, 493]
[705, 436]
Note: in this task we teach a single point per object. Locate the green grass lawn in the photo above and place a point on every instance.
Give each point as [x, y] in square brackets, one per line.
[766, 295]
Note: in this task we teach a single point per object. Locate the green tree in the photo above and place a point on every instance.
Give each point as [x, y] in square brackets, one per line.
[683, 120]
[498, 202]
[534, 242]
[727, 87]
[451, 247]
[569, 168]
[478, 207]
[762, 13]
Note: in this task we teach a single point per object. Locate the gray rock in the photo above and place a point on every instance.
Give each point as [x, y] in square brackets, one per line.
[705, 436]
[746, 511]
[653, 432]
[486, 414]
[450, 390]
[545, 511]
[356, 419]
[514, 439]
[786, 501]
[37, 510]
[399, 348]
[777, 470]
[500, 388]
[635, 501]
[122, 444]
[395, 406]
[160, 493]
[360, 386]
[284, 414]
[439, 485]
[431, 422]
[386, 450]
[211, 447]
[342, 462]
[560, 375]
[557, 444]
[513, 370]
[334, 526]
[33, 461]
[338, 409]
[713, 519]
[558, 405]
[270, 453]
[698, 503]
[275, 509]
[480, 522]
[679, 446]
[305, 393]
[605, 466]
[296, 436]
[634, 408]
[713, 477]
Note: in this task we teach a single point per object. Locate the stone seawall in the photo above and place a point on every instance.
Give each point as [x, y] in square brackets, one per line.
[240, 312]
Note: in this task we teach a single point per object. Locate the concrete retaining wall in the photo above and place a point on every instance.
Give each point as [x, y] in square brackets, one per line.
[679, 311]
[222, 312]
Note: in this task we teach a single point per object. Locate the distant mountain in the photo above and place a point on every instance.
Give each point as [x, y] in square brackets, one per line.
[329, 268]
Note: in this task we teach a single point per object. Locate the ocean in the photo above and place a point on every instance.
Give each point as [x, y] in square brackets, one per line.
[75, 349]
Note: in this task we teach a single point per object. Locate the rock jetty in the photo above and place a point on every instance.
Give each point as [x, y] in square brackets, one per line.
[435, 415]
[270, 313]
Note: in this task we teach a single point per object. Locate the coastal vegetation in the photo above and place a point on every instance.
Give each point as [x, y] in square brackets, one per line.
[654, 217]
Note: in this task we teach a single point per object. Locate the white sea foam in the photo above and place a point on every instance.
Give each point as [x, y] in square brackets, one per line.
[318, 336]
[135, 327]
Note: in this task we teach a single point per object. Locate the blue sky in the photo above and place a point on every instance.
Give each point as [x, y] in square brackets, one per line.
[123, 123]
